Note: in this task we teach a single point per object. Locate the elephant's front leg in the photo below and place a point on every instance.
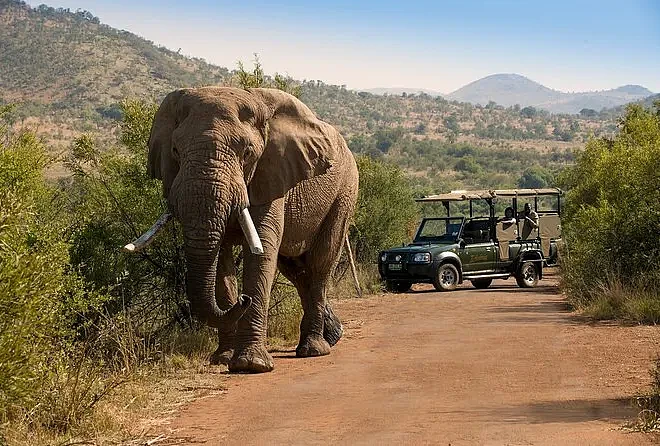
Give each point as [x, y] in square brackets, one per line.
[250, 353]
[226, 295]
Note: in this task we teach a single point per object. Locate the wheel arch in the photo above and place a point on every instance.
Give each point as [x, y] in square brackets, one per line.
[450, 257]
[531, 255]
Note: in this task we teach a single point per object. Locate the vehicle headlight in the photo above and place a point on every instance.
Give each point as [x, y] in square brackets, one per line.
[422, 257]
[383, 257]
[397, 258]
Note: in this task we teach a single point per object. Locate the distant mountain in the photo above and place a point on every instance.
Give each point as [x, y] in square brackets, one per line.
[506, 90]
[511, 89]
[398, 91]
[647, 102]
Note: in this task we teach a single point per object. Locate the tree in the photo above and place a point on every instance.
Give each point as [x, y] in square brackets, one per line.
[257, 78]
[451, 123]
[535, 177]
[386, 213]
[612, 214]
[528, 112]
[468, 165]
[588, 113]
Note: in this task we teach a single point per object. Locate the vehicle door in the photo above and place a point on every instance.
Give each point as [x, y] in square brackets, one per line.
[477, 251]
[549, 229]
[506, 233]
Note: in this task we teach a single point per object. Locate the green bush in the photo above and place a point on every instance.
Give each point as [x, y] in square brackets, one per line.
[612, 221]
[386, 213]
[34, 285]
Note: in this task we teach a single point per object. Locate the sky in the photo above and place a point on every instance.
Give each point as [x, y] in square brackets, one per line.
[437, 45]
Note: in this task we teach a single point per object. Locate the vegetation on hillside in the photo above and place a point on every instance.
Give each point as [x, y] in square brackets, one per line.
[68, 72]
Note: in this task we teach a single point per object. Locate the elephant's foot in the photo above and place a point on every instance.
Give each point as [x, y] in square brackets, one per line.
[312, 345]
[221, 356]
[252, 359]
[332, 328]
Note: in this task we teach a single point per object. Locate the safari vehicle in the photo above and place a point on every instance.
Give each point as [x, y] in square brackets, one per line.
[449, 250]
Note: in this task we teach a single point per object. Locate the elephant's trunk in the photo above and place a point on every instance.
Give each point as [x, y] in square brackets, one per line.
[204, 204]
[200, 288]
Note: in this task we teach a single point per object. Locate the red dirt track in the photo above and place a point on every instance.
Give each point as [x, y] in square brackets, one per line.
[497, 366]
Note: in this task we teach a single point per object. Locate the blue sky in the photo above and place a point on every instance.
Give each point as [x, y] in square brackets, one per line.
[566, 45]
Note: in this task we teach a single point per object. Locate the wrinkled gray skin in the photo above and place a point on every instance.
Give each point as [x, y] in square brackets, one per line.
[217, 150]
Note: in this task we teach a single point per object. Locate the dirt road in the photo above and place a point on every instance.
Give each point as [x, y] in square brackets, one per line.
[497, 366]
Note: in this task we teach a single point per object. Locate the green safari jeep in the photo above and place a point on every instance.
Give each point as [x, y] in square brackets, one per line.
[448, 250]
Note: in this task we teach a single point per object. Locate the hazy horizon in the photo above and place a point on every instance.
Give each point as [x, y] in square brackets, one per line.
[566, 46]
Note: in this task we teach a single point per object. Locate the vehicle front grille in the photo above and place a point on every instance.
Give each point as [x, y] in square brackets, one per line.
[391, 257]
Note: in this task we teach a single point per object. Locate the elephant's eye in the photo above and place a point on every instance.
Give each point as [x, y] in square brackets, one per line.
[175, 153]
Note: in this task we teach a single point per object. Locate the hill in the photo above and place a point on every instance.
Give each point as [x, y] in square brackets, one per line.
[68, 68]
[68, 72]
[511, 89]
[506, 90]
[612, 113]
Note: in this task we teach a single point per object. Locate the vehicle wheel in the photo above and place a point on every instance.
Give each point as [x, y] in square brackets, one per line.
[397, 287]
[481, 283]
[528, 275]
[446, 278]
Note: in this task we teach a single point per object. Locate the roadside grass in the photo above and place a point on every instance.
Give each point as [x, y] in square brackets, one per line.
[612, 300]
[91, 400]
[343, 286]
[648, 419]
[137, 412]
[284, 314]
[121, 387]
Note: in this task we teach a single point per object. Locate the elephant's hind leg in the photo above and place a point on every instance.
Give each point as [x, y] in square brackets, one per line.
[332, 327]
[319, 263]
[295, 270]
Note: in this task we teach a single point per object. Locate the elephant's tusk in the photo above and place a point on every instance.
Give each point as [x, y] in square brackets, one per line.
[145, 239]
[250, 232]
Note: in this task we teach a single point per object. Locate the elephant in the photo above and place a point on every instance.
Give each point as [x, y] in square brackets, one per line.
[254, 167]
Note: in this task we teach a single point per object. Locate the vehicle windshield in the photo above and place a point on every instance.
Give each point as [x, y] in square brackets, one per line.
[438, 230]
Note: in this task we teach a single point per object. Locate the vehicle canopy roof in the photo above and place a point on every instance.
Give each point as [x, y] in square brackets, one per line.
[464, 195]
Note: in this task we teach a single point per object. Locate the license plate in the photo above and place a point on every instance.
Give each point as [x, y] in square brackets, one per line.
[394, 266]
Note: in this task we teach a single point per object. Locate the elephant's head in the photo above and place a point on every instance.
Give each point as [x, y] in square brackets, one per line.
[218, 151]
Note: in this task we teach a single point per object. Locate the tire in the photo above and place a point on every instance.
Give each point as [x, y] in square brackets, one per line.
[528, 275]
[481, 283]
[446, 278]
[397, 286]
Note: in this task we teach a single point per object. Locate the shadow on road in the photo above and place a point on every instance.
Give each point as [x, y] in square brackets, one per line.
[547, 306]
[542, 289]
[573, 411]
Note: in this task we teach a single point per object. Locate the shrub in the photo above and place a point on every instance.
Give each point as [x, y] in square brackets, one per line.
[612, 220]
[386, 213]
[36, 292]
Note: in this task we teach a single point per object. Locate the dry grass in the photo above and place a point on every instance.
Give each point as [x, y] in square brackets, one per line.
[136, 402]
[634, 303]
[137, 411]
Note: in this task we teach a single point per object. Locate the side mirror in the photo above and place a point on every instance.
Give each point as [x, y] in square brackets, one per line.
[461, 243]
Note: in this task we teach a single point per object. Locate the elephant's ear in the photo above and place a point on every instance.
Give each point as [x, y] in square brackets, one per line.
[298, 146]
[161, 163]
